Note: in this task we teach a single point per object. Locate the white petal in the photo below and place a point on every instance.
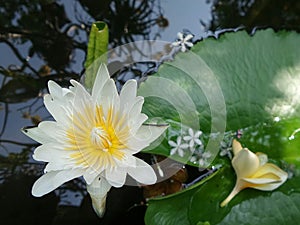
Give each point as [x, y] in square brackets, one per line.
[236, 147]
[83, 111]
[45, 132]
[180, 152]
[109, 97]
[198, 133]
[52, 180]
[178, 140]
[55, 90]
[183, 48]
[173, 151]
[180, 35]
[116, 176]
[146, 135]
[80, 90]
[101, 78]
[189, 44]
[260, 181]
[50, 152]
[136, 108]
[245, 163]
[90, 175]
[187, 138]
[185, 145]
[188, 37]
[127, 160]
[58, 158]
[56, 165]
[58, 93]
[128, 95]
[151, 133]
[268, 187]
[142, 172]
[98, 192]
[191, 132]
[198, 141]
[267, 177]
[268, 169]
[172, 143]
[82, 98]
[136, 122]
[191, 144]
[59, 102]
[176, 43]
[56, 109]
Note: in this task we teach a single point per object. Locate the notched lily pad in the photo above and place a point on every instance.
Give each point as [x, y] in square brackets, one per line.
[259, 77]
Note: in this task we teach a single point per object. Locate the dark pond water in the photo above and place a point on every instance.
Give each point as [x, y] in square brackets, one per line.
[42, 40]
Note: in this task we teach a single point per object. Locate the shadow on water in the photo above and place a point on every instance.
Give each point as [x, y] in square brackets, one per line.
[43, 40]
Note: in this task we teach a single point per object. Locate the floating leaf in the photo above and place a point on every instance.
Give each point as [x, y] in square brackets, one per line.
[259, 80]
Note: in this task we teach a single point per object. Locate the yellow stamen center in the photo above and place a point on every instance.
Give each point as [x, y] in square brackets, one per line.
[100, 138]
[97, 140]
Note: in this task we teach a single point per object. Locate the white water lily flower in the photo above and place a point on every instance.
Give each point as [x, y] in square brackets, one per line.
[178, 146]
[253, 171]
[183, 42]
[193, 138]
[94, 136]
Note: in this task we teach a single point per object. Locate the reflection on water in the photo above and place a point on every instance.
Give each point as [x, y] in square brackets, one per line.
[42, 40]
[250, 14]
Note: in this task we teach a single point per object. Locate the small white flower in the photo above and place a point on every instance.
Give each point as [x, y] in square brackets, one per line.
[193, 138]
[203, 160]
[178, 146]
[95, 136]
[226, 149]
[183, 42]
[201, 157]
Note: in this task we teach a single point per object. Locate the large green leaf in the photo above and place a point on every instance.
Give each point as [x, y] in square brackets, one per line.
[237, 80]
[259, 78]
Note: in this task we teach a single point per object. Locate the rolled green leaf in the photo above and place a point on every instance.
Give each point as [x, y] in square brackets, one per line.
[96, 52]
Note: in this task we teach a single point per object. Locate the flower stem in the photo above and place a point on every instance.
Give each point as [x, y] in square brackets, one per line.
[233, 193]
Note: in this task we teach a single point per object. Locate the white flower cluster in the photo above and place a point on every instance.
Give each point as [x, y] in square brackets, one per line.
[190, 143]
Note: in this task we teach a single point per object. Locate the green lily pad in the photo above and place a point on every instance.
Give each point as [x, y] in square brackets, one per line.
[235, 82]
[227, 84]
[173, 209]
